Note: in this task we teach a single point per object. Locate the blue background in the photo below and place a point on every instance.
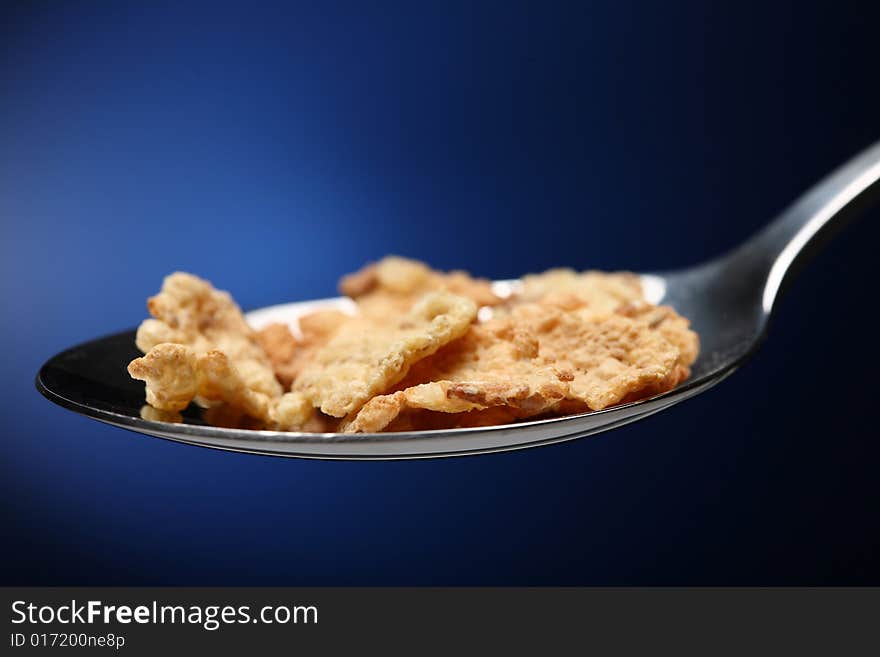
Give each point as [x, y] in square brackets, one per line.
[272, 148]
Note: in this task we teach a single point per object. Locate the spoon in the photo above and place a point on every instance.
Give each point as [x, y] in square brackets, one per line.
[729, 301]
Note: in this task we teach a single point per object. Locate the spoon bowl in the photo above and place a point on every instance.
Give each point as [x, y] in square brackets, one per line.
[729, 300]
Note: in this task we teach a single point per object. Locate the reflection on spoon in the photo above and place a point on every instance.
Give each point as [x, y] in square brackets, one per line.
[158, 415]
[221, 415]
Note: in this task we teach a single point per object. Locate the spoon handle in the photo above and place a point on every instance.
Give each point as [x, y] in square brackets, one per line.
[784, 246]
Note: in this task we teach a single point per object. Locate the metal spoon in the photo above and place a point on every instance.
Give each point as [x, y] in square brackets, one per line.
[729, 301]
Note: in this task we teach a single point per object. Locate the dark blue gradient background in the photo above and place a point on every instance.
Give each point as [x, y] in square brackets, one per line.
[272, 148]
